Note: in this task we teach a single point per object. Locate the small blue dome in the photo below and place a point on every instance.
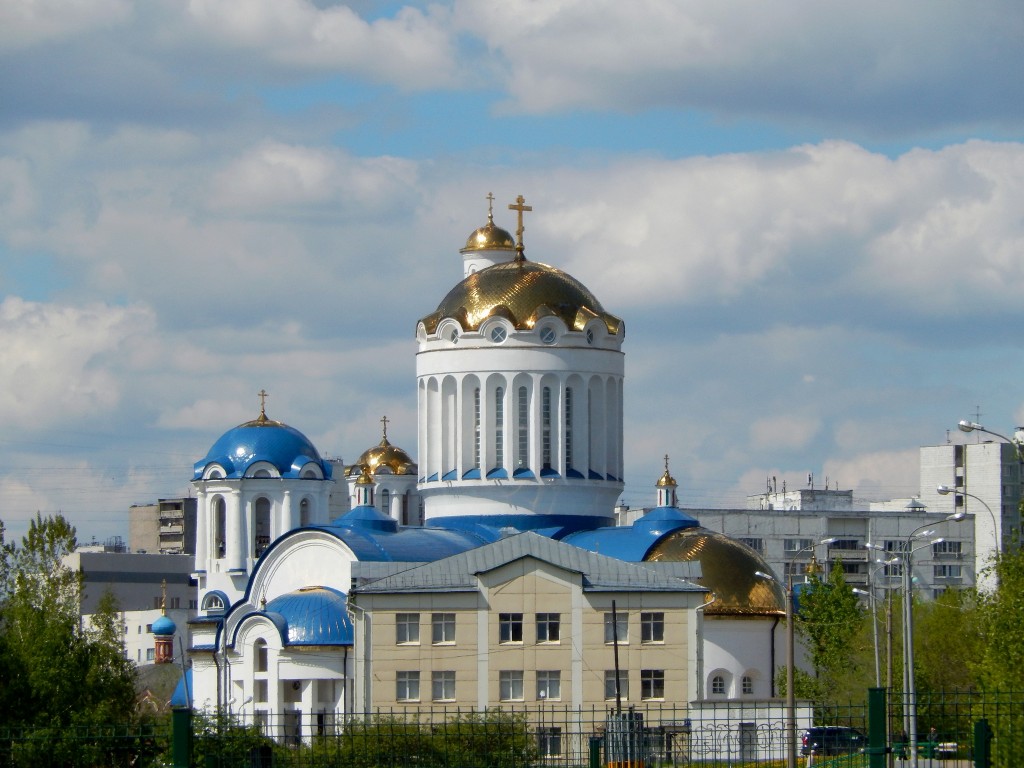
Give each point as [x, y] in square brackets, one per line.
[368, 518]
[264, 440]
[163, 627]
[313, 616]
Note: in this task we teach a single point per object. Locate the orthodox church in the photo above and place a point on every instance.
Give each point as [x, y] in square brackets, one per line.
[499, 540]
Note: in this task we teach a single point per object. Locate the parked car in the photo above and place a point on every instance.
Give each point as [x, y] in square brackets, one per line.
[832, 740]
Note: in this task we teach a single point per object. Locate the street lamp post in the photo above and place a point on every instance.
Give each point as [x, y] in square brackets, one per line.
[791, 658]
[908, 635]
[870, 594]
[973, 426]
[945, 490]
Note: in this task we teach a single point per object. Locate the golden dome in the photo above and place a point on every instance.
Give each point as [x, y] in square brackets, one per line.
[523, 292]
[728, 570]
[666, 480]
[489, 237]
[384, 455]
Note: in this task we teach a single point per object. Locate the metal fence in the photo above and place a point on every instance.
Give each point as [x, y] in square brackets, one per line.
[706, 734]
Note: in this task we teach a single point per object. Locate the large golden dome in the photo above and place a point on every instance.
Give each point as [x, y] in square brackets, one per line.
[384, 456]
[523, 292]
[729, 570]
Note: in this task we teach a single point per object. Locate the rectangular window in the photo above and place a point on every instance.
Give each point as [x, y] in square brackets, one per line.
[548, 625]
[947, 572]
[499, 427]
[549, 685]
[407, 686]
[545, 427]
[845, 544]
[407, 628]
[652, 627]
[442, 686]
[523, 414]
[549, 741]
[795, 545]
[755, 544]
[617, 632]
[568, 428]
[510, 685]
[609, 684]
[510, 627]
[652, 684]
[852, 568]
[947, 548]
[150, 654]
[443, 628]
[260, 691]
[895, 545]
[893, 571]
[476, 427]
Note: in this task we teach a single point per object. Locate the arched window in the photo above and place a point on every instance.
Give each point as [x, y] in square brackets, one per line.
[261, 526]
[385, 501]
[748, 685]
[523, 419]
[718, 685]
[260, 656]
[545, 427]
[304, 512]
[219, 526]
[499, 427]
[568, 428]
[476, 427]
[213, 604]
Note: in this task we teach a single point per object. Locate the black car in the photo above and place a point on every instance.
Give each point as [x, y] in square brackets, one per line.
[832, 740]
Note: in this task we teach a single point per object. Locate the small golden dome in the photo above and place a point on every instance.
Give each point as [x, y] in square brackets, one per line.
[489, 237]
[666, 480]
[522, 292]
[729, 569]
[384, 455]
[364, 477]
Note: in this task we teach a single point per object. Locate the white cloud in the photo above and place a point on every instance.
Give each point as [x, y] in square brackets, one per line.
[782, 433]
[55, 362]
[24, 23]
[878, 475]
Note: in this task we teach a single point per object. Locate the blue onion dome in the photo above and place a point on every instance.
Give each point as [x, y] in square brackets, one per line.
[313, 616]
[266, 441]
[738, 577]
[164, 627]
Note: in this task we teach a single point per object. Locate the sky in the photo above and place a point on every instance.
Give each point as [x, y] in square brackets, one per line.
[809, 215]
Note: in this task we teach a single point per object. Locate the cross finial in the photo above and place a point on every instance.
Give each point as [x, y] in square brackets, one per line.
[262, 395]
[666, 462]
[384, 421]
[520, 207]
[163, 597]
[490, 206]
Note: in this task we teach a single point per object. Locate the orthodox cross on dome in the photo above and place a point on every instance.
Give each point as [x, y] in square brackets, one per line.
[163, 597]
[262, 395]
[490, 207]
[666, 463]
[384, 421]
[520, 207]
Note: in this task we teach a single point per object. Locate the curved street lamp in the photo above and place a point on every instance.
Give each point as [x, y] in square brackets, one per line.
[972, 426]
[908, 631]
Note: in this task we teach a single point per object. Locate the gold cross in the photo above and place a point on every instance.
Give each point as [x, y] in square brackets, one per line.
[384, 421]
[490, 206]
[519, 206]
[262, 395]
[666, 462]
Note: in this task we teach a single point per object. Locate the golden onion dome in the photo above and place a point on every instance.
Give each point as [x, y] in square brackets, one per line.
[729, 570]
[385, 456]
[522, 292]
[489, 237]
[666, 480]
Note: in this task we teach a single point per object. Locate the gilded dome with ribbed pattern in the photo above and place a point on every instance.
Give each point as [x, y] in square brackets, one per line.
[523, 292]
[489, 237]
[384, 455]
[729, 569]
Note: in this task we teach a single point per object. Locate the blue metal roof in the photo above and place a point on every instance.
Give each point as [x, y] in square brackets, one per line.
[285, 447]
[313, 616]
[163, 626]
[633, 542]
[368, 518]
[182, 696]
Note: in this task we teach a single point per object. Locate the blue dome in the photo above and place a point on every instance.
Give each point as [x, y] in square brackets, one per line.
[313, 616]
[264, 440]
[163, 626]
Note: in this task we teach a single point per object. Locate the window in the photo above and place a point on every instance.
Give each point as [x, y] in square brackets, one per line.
[617, 632]
[549, 741]
[510, 685]
[385, 501]
[523, 415]
[407, 686]
[718, 684]
[262, 661]
[652, 627]
[548, 627]
[545, 426]
[609, 684]
[795, 545]
[443, 631]
[260, 691]
[568, 428]
[590, 335]
[895, 545]
[498, 334]
[549, 685]
[510, 628]
[407, 628]
[845, 544]
[755, 544]
[652, 684]
[442, 686]
[261, 525]
[476, 427]
[499, 427]
[947, 548]
[852, 568]
[748, 685]
[947, 572]
[220, 512]
[547, 334]
[150, 654]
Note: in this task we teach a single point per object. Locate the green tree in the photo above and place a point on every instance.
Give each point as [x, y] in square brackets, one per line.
[57, 674]
[829, 620]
